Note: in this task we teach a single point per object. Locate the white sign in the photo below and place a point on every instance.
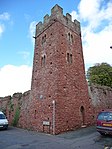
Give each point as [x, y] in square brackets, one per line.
[47, 123]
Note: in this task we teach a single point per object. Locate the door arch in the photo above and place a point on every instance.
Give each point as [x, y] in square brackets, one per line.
[82, 110]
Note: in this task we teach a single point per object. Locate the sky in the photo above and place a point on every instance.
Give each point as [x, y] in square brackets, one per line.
[18, 19]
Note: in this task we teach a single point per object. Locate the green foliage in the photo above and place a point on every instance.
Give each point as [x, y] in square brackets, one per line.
[11, 105]
[100, 74]
[16, 117]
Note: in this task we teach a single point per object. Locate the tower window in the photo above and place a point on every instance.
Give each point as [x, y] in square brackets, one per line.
[35, 114]
[44, 39]
[43, 60]
[69, 58]
[70, 38]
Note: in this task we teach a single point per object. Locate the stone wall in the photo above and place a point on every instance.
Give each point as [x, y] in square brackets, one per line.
[100, 99]
[15, 108]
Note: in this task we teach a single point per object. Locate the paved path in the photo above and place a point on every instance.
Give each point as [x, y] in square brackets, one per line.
[86, 138]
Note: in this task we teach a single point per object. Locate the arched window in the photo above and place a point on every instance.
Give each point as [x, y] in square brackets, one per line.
[70, 38]
[69, 58]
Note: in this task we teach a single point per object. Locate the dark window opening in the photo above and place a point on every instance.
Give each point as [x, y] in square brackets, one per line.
[69, 58]
[44, 39]
[82, 109]
[43, 60]
[70, 38]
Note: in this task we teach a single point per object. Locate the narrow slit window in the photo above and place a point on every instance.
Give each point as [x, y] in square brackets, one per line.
[43, 39]
[71, 39]
[43, 60]
[35, 114]
[69, 36]
[68, 57]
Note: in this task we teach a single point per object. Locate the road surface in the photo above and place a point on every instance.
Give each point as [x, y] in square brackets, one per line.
[85, 138]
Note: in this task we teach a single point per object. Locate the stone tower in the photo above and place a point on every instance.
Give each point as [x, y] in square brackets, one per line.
[59, 94]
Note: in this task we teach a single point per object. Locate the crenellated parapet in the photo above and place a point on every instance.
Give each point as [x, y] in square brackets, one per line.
[57, 15]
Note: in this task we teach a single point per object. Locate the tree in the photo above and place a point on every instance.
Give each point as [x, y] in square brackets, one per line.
[100, 74]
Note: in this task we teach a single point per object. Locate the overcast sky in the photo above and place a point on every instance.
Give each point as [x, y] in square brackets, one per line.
[17, 26]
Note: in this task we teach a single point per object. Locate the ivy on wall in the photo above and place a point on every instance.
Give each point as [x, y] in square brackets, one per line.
[11, 105]
[16, 117]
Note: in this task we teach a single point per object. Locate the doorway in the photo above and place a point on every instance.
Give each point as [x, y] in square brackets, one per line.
[82, 110]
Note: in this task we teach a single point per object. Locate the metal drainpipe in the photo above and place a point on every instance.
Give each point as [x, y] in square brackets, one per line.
[53, 116]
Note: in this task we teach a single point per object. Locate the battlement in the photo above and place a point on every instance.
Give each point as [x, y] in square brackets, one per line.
[57, 15]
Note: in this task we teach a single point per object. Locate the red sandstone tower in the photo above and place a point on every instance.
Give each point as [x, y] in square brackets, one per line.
[59, 94]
